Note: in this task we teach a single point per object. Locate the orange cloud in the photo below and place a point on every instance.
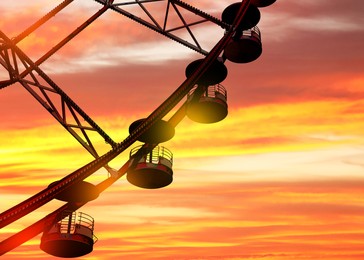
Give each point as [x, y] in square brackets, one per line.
[279, 178]
[277, 220]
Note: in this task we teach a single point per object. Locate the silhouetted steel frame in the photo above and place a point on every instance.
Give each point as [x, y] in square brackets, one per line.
[28, 31]
[48, 194]
[66, 101]
[67, 104]
[162, 29]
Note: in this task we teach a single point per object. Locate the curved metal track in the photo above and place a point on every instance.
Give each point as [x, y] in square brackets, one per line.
[23, 70]
[48, 194]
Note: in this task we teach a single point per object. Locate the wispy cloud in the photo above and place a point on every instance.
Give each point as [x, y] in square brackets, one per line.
[279, 178]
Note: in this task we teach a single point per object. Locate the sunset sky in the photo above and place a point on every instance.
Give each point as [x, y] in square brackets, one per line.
[281, 178]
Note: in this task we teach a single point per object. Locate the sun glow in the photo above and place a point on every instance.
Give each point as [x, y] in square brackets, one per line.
[280, 178]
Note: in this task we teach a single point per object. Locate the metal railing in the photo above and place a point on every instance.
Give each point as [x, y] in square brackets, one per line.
[213, 91]
[252, 32]
[68, 223]
[155, 155]
[85, 220]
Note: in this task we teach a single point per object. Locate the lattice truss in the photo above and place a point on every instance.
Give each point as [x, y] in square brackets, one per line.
[178, 22]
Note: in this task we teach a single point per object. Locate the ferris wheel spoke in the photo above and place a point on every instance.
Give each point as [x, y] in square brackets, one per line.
[4, 47]
[181, 32]
[41, 21]
[54, 99]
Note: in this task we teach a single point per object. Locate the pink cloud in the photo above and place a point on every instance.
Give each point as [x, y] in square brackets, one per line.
[240, 220]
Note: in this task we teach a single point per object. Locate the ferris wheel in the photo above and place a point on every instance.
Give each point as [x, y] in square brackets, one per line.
[149, 165]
